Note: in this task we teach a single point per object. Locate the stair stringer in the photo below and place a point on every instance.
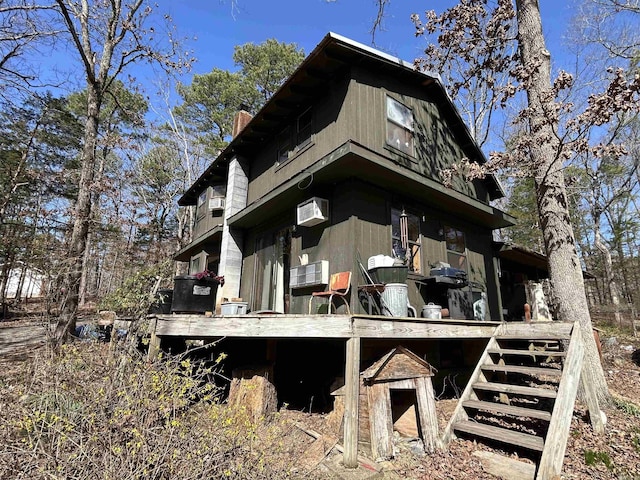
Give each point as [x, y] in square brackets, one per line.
[555, 443]
[459, 413]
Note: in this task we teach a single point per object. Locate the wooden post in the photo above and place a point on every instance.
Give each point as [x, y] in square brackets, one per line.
[591, 399]
[352, 394]
[427, 414]
[381, 421]
[154, 342]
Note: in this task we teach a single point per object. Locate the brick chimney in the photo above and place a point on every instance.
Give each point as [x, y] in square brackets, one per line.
[240, 121]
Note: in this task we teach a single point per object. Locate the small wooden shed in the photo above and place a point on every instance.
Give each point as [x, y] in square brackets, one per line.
[400, 369]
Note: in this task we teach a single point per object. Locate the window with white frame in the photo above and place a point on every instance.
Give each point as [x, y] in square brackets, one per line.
[198, 263]
[399, 126]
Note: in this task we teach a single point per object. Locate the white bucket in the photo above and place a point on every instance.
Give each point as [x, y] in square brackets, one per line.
[395, 299]
[432, 311]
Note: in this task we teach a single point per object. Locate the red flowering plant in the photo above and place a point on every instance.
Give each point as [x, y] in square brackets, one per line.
[211, 276]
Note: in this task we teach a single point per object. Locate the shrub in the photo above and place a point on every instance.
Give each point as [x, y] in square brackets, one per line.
[75, 415]
[134, 297]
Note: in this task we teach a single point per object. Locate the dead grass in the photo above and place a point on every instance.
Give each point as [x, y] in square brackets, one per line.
[86, 414]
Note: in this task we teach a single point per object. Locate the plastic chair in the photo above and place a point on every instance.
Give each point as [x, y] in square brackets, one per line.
[339, 285]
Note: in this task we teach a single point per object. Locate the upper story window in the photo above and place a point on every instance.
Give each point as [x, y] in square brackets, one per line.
[304, 128]
[456, 248]
[293, 138]
[405, 238]
[201, 207]
[198, 263]
[399, 126]
[284, 145]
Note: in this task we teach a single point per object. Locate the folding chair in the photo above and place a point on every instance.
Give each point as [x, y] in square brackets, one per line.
[339, 285]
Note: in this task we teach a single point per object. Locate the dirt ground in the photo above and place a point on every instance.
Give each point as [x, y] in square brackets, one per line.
[614, 455]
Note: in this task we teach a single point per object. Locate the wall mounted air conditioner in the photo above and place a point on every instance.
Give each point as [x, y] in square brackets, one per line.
[216, 203]
[312, 212]
[309, 275]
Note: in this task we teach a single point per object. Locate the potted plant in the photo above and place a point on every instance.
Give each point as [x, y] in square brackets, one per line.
[210, 277]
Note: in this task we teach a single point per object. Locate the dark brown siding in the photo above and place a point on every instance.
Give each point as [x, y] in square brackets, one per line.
[356, 110]
[329, 130]
[207, 220]
[359, 224]
[435, 146]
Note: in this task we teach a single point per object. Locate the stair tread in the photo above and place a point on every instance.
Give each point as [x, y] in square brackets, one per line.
[535, 337]
[507, 409]
[515, 389]
[536, 353]
[522, 369]
[504, 435]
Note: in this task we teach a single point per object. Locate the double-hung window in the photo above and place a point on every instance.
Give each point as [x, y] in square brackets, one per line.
[303, 128]
[201, 207]
[456, 248]
[405, 238]
[294, 137]
[399, 126]
[284, 146]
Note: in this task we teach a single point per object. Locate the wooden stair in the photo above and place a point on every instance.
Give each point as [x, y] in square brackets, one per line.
[521, 395]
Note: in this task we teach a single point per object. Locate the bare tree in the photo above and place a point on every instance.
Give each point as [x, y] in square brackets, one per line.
[611, 25]
[481, 87]
[22, 29]
[193, 160]
[107, 37]
[554, 132]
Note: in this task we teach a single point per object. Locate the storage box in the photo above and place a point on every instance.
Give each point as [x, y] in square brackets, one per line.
[193, 295]
[380, 261]
[448, 272]
[396, 274]
[233, 308]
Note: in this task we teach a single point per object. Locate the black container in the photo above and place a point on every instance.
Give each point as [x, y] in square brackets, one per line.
[397, 274]
[193, 295]
[162, 301]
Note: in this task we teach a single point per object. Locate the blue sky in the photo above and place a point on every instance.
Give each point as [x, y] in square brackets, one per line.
[220, 25]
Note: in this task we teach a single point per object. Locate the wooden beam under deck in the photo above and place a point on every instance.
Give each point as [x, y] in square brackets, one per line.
[318, 326]
[350, 327]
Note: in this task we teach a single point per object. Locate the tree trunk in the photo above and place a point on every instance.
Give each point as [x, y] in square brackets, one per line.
[82, 295]
[67, 323]
[607, 263]
[564, 267]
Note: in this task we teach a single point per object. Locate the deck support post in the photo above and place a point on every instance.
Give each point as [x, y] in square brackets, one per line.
[154, 342]
[352, 394]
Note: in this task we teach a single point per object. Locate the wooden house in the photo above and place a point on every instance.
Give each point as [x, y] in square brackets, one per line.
[342, 164]
[349, 147]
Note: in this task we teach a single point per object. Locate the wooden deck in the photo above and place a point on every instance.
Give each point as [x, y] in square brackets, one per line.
[317, 326]
[352, 328]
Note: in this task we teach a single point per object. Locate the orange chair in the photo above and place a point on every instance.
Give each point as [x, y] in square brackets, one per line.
[339, 285]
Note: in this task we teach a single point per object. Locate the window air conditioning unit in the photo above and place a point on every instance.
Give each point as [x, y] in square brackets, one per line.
[216, 203]
[312, 212]
[309, 275]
